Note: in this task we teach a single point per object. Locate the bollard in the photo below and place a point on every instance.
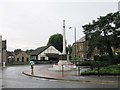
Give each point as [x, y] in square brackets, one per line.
[3, 64]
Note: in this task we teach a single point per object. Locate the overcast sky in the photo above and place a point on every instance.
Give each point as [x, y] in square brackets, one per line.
[28, 24]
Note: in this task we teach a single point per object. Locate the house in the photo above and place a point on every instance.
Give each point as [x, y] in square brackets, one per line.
[82, 48]
[22, 57]
[45, 53]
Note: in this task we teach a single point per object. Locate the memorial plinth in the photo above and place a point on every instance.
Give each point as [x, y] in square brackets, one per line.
[64, 64]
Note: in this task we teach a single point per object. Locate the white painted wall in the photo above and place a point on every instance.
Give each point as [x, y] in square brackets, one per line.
[51, 49]
[42, 55]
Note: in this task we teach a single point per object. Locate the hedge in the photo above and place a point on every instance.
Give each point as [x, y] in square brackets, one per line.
[116, 59]
[109, 70]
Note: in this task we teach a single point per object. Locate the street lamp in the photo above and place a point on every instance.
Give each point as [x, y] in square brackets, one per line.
[75, 41]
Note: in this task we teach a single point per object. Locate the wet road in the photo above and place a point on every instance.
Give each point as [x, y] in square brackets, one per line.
[12, 77]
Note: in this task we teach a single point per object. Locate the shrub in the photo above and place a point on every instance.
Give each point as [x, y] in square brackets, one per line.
[109, 70]
[116, 59]
[101, 58]
[105, 58]
[86, 63]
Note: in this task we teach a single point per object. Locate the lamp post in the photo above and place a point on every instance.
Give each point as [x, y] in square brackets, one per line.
[75, 40]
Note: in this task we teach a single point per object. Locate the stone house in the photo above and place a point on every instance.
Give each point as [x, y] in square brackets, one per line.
[22, 57]
[82, 48]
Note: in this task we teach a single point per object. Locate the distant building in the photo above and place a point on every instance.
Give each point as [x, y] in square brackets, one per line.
[22, 57]
[4, 51]
[45, 53]
[82, 49]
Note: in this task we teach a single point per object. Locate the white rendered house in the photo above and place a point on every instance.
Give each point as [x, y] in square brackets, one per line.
[45, 53]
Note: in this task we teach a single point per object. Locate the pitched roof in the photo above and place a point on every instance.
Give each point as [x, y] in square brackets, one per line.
[21, 52]
[81, 39]
[39, 50]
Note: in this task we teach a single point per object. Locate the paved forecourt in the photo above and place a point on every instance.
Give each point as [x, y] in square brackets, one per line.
[44, 72]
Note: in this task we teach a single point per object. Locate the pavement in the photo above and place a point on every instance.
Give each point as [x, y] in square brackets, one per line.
[44, 72]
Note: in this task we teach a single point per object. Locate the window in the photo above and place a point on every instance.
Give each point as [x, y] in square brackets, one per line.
[18, 59]
[22, 59]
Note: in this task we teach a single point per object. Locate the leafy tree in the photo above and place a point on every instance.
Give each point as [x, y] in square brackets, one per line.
[57, 41]
[104, 33]
[17, 51]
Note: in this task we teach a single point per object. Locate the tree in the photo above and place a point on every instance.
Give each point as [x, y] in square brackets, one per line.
[17, 51]
[57, 41]
[104, 33]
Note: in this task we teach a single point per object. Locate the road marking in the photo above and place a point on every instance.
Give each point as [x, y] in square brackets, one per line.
[53, 80]
[43, 79]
